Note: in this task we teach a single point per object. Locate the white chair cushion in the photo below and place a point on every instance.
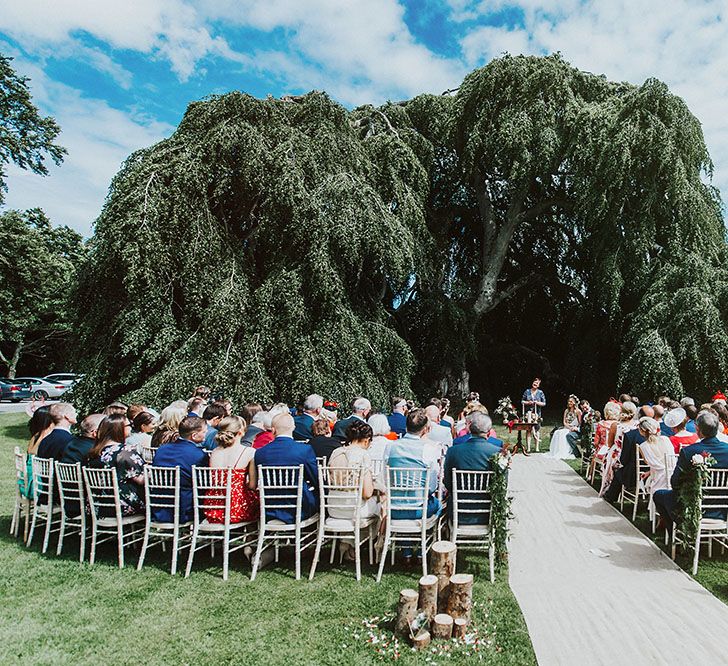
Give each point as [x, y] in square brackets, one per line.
[713, 524]
[125, 520]
[167, 526]
[276, 525]
[413, 525]
[345, 524]
[207, 526]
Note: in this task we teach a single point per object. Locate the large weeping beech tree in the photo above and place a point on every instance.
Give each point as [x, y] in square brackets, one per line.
[541, 219]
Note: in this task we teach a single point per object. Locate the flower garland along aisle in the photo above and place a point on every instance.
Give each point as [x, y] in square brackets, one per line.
[500, 510]
[690, 495]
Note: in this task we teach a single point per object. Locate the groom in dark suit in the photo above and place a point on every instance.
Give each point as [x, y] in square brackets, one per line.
[706, 424]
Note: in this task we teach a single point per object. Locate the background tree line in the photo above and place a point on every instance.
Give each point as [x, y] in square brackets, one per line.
[540, 220]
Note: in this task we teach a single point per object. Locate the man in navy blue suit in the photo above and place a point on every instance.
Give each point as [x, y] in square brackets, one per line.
[398, 418]
[311, 411]
[706, 424]
[473, 454]
[360, 410]
[286, 451]
[54, 444]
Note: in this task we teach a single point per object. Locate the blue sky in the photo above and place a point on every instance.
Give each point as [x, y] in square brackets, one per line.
[118, 75]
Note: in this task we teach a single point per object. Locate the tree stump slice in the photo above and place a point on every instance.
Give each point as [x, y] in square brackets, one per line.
[406, 611]
[442, 626]
[428, 596]
[442, 565]
[460, 597]
[422, 640]
[460, 624]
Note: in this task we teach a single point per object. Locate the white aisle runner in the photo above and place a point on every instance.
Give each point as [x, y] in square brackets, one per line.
[633, 607]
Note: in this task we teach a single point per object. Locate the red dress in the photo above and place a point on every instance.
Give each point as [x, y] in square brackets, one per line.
[684, 440]
[263, 438]
[244, 502]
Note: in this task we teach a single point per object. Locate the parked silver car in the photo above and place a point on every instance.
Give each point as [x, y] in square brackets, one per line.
[14, 390]
[43, 389]
[67, 378]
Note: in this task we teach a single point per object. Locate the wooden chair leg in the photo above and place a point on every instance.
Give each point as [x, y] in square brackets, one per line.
[61, 534]
[297, 546]
[145, 544]
[383, 557]
[316, 553]
[191, 556]
[697, 553]
[258, 552]
[357, 552]
[225, 553]
[175, 550]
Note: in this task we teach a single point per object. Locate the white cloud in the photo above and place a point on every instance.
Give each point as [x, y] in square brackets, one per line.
[98, 138]
[680, 42]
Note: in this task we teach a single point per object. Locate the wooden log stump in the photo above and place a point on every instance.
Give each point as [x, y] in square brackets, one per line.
[406, 611]
[442, 626]
[428, 596]
[442, 565]
[460, 597]
[422, 640]
[459, 627]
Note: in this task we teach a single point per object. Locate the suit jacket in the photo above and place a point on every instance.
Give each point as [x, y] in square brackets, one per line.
[77, 450]
[250, 434]
[631, 440]
[54, 444]
[716, 448]
[303, 427]
[475, 455]
[287, 451]
[398, 423]
[324, 446]
[185, 454]
[341, 426]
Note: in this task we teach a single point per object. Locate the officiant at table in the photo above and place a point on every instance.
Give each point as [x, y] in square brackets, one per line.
[532, 401]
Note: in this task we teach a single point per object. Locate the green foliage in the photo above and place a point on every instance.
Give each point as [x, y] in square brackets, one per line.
[542, 220]
[37, 268]
[690, 497]
[26, 137]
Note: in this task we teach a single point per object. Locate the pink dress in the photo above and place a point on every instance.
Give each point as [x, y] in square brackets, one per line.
[612, 457]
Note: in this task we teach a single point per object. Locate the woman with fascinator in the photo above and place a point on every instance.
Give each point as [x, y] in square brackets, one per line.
[560, 447]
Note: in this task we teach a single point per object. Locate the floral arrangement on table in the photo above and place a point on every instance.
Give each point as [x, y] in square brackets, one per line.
[507, 411]
[500, 509]
[690, 494]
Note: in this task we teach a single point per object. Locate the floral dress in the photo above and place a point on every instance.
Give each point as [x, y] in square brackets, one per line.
[128, 465]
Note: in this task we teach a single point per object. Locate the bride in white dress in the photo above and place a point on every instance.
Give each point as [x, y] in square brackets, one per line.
[560, 447]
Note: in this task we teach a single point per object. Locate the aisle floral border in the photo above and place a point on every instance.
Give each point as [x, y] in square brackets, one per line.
[500, 510]
[690, 495]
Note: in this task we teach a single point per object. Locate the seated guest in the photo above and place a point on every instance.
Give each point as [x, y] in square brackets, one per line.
[322, 443]
[142, 427]
[676, 420]
[183, 453]
[212, 416]
[254, 428]
[466, 430]
[109, 451]
[263, 420]
[360, 411]
[625, 473]
[692, 412]
[115, 408]
[40, 425]
[398, 418]
[168, 427]
[461, 427]
[666, 501]
[54, 444]
[379, 424]
[133, 410]
[284, 451]
[474, 455]
[660, 412]
[196, 406]
[722, 411]
[311, 411]
[445, 418]
[354, 454]
[438, 433]
[230, 452]
[79, 447]
[654, 449]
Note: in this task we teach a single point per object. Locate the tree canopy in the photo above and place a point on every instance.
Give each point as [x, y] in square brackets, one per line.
[26, 137]
[541, 220]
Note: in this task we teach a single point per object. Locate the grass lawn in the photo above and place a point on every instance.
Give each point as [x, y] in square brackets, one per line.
[712, 573]
[57, 611]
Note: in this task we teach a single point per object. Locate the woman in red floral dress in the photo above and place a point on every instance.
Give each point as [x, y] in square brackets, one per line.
[232, 455]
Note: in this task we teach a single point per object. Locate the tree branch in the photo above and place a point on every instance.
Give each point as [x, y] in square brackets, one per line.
[510, 291]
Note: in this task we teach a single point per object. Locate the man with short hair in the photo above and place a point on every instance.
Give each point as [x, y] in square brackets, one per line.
[312, 406]
[54, 443]
[398, 418]
[212, 415]
[286, 451]
[438, 433]
[184, 452]
[196, 407]
[475, 455]
[666, 501]
[360, 410]
[79, 446]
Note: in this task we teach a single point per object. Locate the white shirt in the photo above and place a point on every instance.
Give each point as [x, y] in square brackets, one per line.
[440, 434]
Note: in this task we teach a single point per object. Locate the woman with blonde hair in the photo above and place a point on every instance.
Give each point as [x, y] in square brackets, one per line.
[627, 421]
[654, 449]
[231, 454]
[601, 435]
[169, 420]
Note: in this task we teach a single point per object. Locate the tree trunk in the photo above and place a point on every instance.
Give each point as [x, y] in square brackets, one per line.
[442, 565]
[13, 365]
[422, 640]
[460, 599]
[428, 596]
[442, 626]
[406, 611]
[459, 627]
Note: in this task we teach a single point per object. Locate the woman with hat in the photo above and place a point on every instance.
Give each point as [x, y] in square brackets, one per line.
[677, 419]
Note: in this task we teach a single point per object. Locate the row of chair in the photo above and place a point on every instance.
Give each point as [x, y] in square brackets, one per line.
[714, 497]
[280, 488]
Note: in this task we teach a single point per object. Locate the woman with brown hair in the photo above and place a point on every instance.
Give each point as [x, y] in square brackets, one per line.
[111, 452]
